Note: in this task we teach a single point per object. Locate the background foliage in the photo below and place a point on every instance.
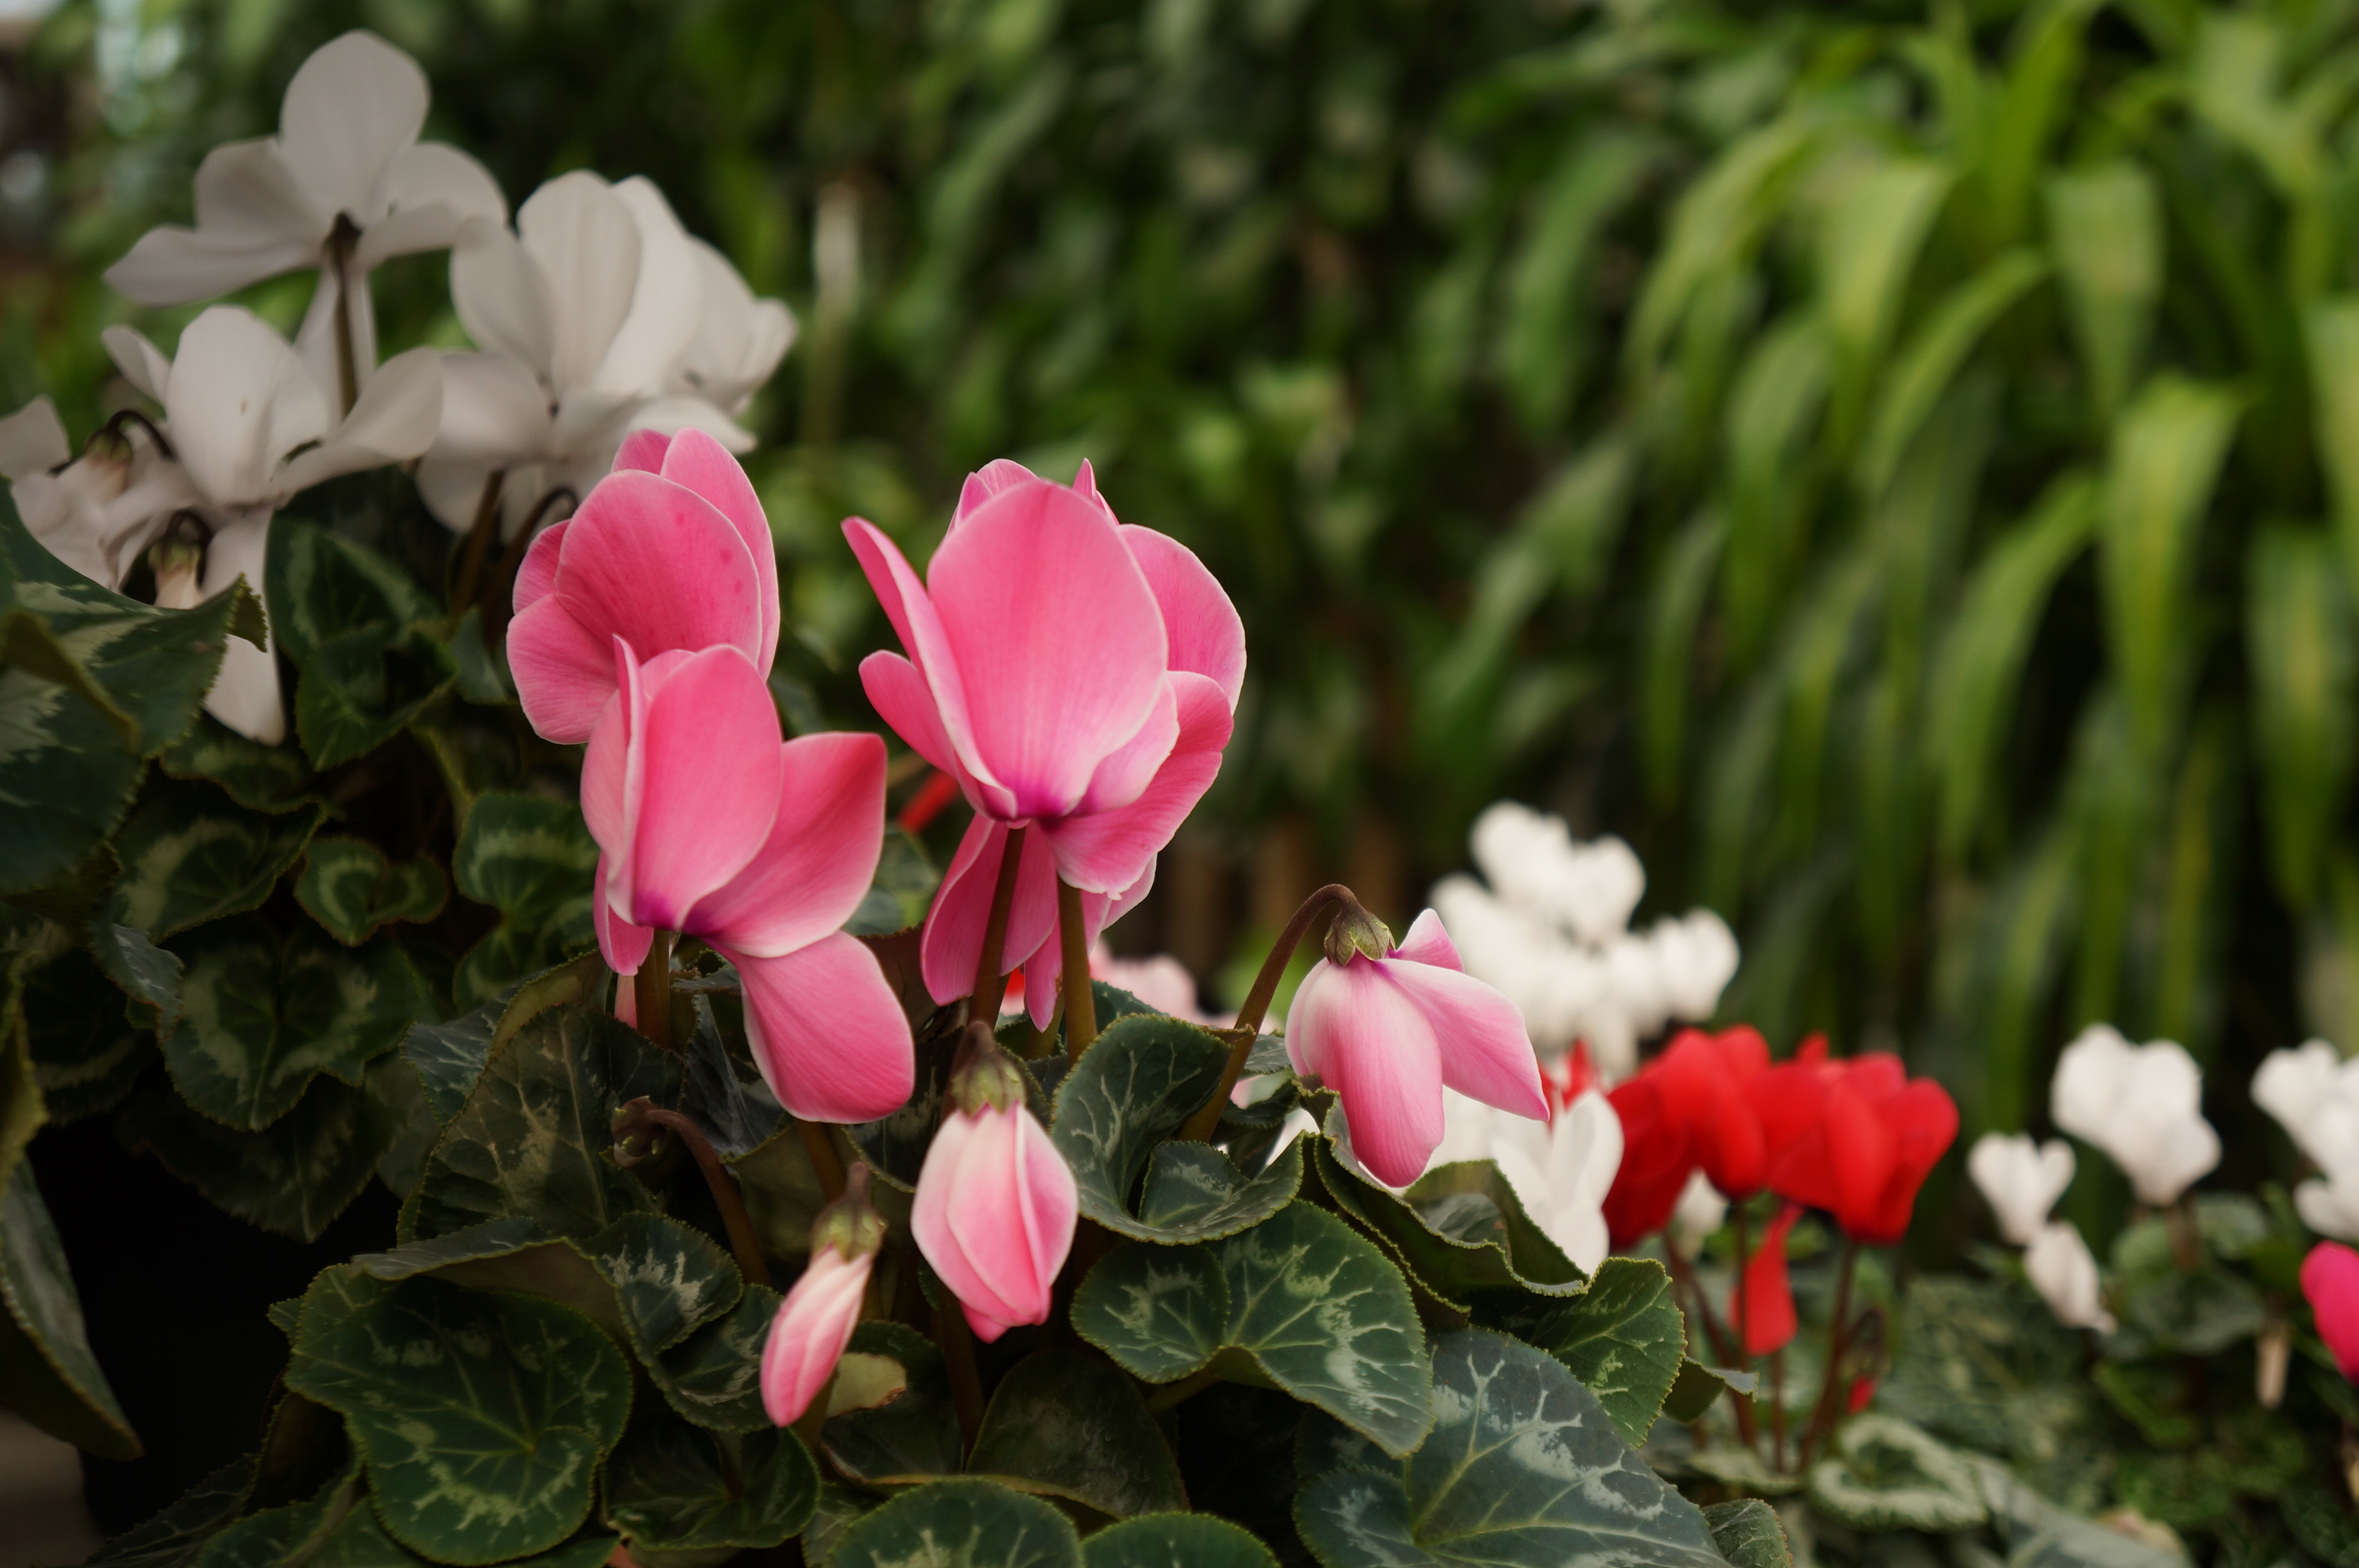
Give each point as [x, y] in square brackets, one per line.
[1898, 465]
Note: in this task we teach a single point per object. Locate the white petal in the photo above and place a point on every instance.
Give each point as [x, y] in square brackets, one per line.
[2059, 1266]
[246, 694]
[2331, 1207]
[502, 295]
[394, 421]
[433, 190]
[349, 112]
[586, 244]
[33, 439]
[253, 222]
[238, 402]
[739, 340]
[666, 297]
[493, 412]
[143, 364]
[671, 416]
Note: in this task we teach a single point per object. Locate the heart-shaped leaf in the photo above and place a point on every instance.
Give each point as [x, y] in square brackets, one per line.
[1312, 1302]
[671, 1487]
[670, 1279]
[296, 1175]
[1624, 1337]
[1143, 1078]
[149, 975]
[960, 1524]
[259, 1018]
[533, 1136]
[1175, 1541]
[322, 586]
[1523, 1467]
[349, 887]
[258, 777]
[713, 1376]
[1885, 1474]
[450, 1056]
[46, 1370]
[1072, 1425]
[532, 860]
[192, 854]
[916, 1434]
[1988, 1364]
[86, 1053]
[484, 1416]
[361, 689]
[1748, 1534]
[1462, 1235]
[174, 1538]
[295, 1532]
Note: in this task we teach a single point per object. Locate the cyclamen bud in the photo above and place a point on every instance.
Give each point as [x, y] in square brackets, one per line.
[984, 1077]
[1356, 933]
[815, 1322]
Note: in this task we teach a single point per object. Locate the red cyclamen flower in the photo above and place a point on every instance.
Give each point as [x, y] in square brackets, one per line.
[1855, 1137]
[1768, 1320]
[1692, 1107]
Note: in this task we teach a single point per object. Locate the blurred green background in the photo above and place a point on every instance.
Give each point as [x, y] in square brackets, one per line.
[1896, 464]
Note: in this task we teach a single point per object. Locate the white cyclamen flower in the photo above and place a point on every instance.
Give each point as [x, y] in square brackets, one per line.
[345, 185]
[598, 316]
[2314, 1095]
[1560, 1169]
[250, 426]
[94, 512]
[2142, 1104]
[1699, 1211]
[2330, 1203]
[1532, 861]
[2059, 1266]
[2021, 1180]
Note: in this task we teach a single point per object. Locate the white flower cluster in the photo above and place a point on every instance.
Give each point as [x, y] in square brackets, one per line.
[2314, 1093]
[597, 316]
[2022, 1180]
[1552, 931]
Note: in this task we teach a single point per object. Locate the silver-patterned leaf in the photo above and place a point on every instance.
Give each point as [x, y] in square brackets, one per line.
[1885, 1474]
[960, 1524]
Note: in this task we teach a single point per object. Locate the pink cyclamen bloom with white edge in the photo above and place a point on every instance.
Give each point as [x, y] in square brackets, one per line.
[1388, 1033]
[1018, 540]
[671, 551]
[709, 825]
[811, 1332]
[996, 1205]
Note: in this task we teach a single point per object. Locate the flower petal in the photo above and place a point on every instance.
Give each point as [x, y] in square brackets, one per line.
[1206, 636]
[1377, 1051]
[537, 575]
[584, 245]
[432, 190]
[643, 449]
[703, 465]
[901, 698]
[1124, 774]
[1000, 473]
[712, 762]
[395, 419]
[1428, 942]
[1485, 1054]
[820, 856]
[952, 945]
[666, 297]
[827, 1033]
[245, 694]
[33, 440]
[253, 221]
[623, 946]
[1107, 850]
[352, 107]
[239, 400]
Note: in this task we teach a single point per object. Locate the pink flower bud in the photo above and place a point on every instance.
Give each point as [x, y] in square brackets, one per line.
[813, 1325]
[993, 1215]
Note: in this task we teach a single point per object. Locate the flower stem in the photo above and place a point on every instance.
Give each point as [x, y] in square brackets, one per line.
[1684, 1274]
[1778, 1409]
[821, 1153]
[1170, 1394]
[1247, 1028]
[1744, 1305]
[1822, 1416]
[642, 1115]
[2186, 1240]
[341, 241]
[478, 543]
[958, 1358]
[1081, 1003]
[990, 984]
[651, 991]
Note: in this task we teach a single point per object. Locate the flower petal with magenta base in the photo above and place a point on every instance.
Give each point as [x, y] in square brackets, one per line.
[827, 1033]
[1377, 1051]
[1485, 1054]
[2329, 1280]
[1428, 942]
[1205, 634]
[713, 763]
[1044, 971]
[623, 946]
[820, 857]
[1107, 850]
[1057, 640]
[952, 944]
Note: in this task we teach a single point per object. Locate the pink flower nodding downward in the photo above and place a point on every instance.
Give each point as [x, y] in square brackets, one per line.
[1387, 1033]
[1099, 727]
[669, 551]
[2330, 1278]
[996, 1205]
[815, 1322]
[709, 825]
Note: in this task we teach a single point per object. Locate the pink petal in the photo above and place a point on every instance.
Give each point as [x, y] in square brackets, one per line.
[811, 1332]
[1057, 640]
[1428, 943]
[1207, 638]
[915, 620]
[1109, 849]
[1000, 473]
[539, 573]
[642, 449]
[902, 699]
[712, 764]
[986, 1327]
[952, 944]
[1299, 1043]
[1124, 775]
[605, 811]
[703, 464]
[820, 857]
[564, 671]
[1485, 1054]
[654, 562]
[623, 946]
[939, 1179]
[1012, 1209]
[1044, 970]
[827, 1031]
[1378, 1052]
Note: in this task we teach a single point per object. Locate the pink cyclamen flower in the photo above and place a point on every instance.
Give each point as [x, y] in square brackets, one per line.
[671, 551]
[1099, 727]
[1387, 1031]
[2330, 1278]
[815, 1322]
[996, 1205]
[708, 825]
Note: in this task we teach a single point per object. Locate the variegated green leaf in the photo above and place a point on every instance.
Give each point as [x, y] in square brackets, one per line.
[960, 1524]
[1072, 1426]
[1161, 1312]
[1175, 1541]
[261, 1016]
[48, 1372]
[671, 1487]
[348, 886]
[361, 689]
[258, 777]
[1887, 1475]
[322, 586]
[484, 1416]
[1748, 1534]
[1461, 1232]
[86, 1053]
[191, 855]
[1624, 1337]
[532, 860]
[713, 1376]
[915, 1434]
[1523, 1468]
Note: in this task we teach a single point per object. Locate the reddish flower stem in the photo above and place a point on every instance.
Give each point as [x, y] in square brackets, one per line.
[641, 1116]
[1081, 1003]
[957, 1344]
[1822, 1416]
[1201, 1126]
[651, 990]
[1682, 1275]
[990, 984]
